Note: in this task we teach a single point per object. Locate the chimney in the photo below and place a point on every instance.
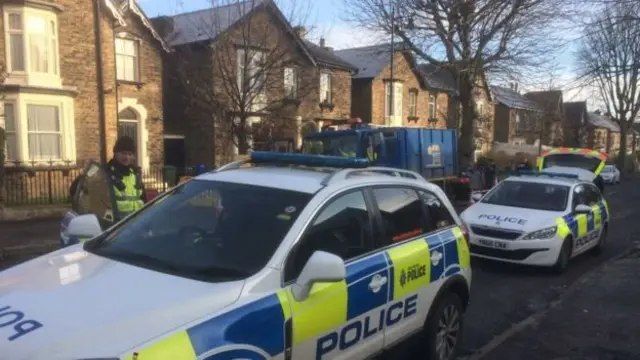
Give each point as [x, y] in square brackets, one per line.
[300, 31]
[322, 42]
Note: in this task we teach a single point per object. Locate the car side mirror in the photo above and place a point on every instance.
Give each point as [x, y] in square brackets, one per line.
[322, 267]
[84, 226]
[582, 209]
[476, 197]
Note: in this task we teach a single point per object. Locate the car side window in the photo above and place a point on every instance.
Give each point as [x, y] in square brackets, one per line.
[437, 214]
[342, 228]
[401, 213]
[593, 195]
[579, 196]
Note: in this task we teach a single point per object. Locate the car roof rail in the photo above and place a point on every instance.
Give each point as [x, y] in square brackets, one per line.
[379, 170]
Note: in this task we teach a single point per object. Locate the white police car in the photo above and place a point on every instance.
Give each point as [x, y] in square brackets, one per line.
[284, 258]
[541, 219]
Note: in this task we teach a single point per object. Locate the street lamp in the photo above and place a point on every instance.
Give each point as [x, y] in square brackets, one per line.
[392, 87]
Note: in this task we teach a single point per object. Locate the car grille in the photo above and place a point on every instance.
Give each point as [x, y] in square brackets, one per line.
[496, 233]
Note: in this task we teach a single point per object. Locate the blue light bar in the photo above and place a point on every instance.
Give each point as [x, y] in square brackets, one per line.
[548, 174]
[268, 157]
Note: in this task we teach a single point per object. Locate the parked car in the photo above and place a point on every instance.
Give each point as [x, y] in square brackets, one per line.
[610, 174]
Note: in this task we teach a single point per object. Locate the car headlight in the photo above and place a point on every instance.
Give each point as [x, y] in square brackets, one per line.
[542, 234]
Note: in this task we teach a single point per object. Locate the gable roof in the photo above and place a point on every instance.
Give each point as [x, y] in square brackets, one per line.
[547, 99]
[120, 7]
[575, 112]
[512, 99]
[602, 121]
[372, 60]
[208, 24]
[327, 57]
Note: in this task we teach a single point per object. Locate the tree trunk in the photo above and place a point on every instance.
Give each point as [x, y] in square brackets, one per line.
[466, 144]
[242, 136]
[622, 154]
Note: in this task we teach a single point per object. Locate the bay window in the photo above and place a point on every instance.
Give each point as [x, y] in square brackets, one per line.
[127, 62]
[32, 39]
[39, 129]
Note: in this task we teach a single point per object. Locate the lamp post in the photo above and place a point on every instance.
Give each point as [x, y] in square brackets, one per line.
[392, 87]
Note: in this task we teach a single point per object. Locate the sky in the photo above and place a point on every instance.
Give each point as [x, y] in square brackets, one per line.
[328, 21]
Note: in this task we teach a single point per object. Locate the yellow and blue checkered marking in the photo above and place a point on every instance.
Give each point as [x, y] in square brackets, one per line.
[579, 225]
[261, 324]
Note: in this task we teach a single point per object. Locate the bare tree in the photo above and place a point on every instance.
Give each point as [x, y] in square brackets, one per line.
[609, 58]
[472, 39]
[243, 69]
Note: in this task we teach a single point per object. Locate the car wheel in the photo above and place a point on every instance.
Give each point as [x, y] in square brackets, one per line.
[602, 241]
[443, 330]
[562, 263]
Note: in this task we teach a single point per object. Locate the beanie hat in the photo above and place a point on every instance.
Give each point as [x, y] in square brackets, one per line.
[124, 143]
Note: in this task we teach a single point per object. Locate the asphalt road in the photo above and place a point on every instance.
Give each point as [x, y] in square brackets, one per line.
[503, 295]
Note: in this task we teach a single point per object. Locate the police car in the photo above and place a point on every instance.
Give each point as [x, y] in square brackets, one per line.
[541, 219]
[284, 256]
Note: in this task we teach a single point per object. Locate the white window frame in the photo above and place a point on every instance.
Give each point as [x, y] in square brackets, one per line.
[252, 67]
[8, 133]
[326, 87]
[396, 118]
[66, 113]
[519, 125]
[51, 78]
[135, 57]
[413, 103]
[433, 106]
[290, 82]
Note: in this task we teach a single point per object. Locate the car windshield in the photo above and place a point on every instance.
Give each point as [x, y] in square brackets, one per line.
[608, 169]
[529, 195]
[206, 230]
[339, 145]
[572, 160]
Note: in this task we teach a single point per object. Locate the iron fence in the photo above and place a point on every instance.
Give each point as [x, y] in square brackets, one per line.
[26, 185]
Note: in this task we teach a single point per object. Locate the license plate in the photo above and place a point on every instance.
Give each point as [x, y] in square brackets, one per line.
[493, 244]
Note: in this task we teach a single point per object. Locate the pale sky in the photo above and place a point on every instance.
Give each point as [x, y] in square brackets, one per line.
[327, 18]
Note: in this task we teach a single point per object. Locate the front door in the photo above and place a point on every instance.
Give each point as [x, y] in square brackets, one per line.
[340, 320]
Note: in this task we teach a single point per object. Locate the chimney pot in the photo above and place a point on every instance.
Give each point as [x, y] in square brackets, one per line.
[322, 42]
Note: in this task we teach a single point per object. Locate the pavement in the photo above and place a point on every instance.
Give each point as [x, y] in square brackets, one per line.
[506, 298]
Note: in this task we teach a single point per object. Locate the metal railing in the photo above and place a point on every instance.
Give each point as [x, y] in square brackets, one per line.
[27, 185]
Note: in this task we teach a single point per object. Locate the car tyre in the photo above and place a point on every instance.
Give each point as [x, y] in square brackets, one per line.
[562, 263]
[443, 330]
[602, 241]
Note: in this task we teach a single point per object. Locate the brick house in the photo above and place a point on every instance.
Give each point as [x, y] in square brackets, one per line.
[603, 134]
[416, 102]
[301, 82]
[551, 103]
[516, 117]
[65, 99]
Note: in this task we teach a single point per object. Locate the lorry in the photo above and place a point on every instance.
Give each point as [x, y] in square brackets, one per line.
[433, 153]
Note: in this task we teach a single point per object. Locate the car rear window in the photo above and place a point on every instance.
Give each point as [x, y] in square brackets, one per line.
[572, 160]
[206, 230]
[529, 195]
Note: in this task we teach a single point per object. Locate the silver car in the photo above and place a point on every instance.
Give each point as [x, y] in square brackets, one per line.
[610, 174]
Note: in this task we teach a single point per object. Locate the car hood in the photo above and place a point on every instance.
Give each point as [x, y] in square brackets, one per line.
[71, 304]
[507, 217]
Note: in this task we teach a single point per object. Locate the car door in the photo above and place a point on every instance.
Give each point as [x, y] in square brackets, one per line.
[595, 220]
[579, 223]
[416, 253]
[340, 320]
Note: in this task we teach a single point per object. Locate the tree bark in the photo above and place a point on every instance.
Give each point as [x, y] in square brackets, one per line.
[622, 154]
[466, 144]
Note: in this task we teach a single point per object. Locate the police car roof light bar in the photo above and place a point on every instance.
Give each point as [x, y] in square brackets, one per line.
[267, 157]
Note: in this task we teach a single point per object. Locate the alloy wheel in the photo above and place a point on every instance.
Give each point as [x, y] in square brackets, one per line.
[448, 331]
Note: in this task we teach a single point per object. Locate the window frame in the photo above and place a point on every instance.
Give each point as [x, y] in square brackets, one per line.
[136, 59]
[291, 93]
[433, 108]
[59, 133]
[413, 103]
[385, 242]
[52, 39]
[328, 93]
[256, 93]
[291, 253]
[14, 132]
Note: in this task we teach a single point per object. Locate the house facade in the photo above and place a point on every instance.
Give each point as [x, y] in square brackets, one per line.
[78, 74]
[551, 103]
[259, 78]
[516, 118]
[574, 123]
[398, 95]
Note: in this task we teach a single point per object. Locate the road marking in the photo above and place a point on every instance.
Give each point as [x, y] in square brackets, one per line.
[538, 316]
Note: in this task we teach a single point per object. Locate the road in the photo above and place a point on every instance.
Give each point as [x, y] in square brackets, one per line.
[505, 295]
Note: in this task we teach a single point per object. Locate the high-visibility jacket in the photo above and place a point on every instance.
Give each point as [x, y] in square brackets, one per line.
[128, 192]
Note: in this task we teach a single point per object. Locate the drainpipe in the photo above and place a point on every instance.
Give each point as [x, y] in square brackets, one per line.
[115, 75]
[97, 14]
